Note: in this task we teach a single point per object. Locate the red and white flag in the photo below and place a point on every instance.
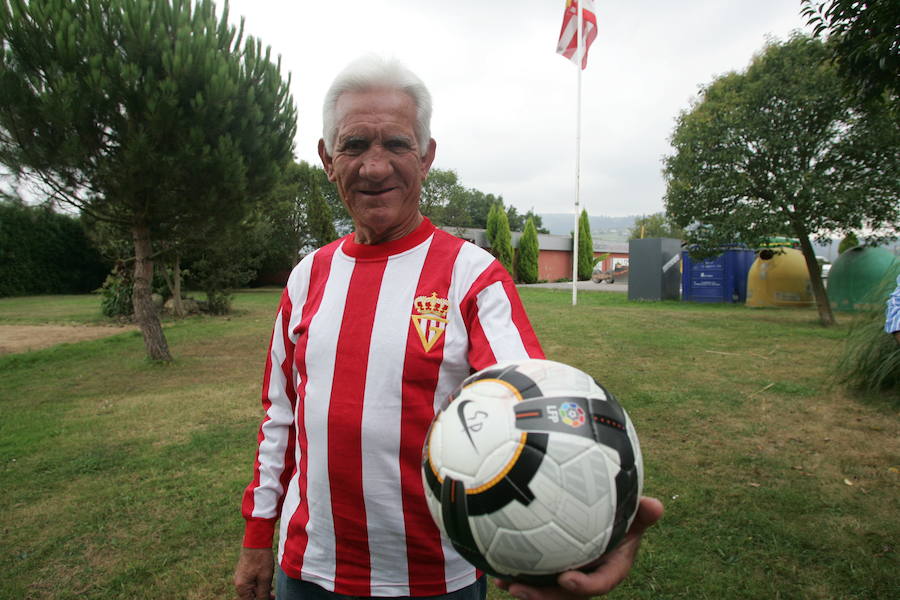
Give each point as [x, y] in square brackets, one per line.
[568, 35]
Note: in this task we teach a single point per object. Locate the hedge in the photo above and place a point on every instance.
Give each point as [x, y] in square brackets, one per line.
[44, 252]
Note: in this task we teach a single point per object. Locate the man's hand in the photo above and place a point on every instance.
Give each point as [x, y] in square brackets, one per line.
[253, 574]
[610, 573]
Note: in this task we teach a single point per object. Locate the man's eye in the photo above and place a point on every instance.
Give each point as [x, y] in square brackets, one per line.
[354, 146]
[398, 145]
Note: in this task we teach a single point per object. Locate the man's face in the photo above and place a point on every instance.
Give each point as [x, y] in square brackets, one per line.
[377, 163]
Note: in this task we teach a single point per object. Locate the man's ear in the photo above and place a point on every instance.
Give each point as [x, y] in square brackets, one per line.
[428, 158]
[327, 161]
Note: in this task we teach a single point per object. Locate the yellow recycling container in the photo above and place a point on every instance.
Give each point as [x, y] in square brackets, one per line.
[779, 278]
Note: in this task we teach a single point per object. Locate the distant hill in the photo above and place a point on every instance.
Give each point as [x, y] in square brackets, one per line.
[562, 224]
[615, 229]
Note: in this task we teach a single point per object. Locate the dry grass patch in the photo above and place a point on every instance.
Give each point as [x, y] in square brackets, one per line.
[24, 338]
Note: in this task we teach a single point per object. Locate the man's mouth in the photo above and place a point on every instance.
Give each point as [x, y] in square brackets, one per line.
[376, 192]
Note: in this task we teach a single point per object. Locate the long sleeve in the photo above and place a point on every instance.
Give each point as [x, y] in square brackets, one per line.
[498, 327]
[275, 462]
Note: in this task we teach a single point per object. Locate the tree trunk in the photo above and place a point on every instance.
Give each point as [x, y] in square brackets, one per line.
[144, 311]
[173, 282]
[177, 302]
[815, 277]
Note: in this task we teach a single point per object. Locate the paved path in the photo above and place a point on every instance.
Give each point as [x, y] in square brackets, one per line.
[583, 286]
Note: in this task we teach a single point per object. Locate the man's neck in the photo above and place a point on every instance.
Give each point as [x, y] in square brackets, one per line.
[367, 236]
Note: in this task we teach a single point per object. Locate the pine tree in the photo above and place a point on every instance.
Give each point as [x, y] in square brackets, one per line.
[585, 247]
[156, 117]
[527, 255]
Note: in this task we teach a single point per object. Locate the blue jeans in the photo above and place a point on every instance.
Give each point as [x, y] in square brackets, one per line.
[288, 588]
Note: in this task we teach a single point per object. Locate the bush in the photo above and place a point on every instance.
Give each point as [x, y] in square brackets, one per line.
[218, 302]
[115, 296]
[502, 244]
[850, 241]
[116, 291]
[527, 255]
[585, 247]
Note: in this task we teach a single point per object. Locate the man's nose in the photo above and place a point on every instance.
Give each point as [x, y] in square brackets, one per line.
[376, 164]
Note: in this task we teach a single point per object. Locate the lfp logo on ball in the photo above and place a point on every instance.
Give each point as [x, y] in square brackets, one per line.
[572, 414]
[568, 412]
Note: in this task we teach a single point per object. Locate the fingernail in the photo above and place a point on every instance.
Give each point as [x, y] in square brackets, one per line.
[569, 585]
[522, 595]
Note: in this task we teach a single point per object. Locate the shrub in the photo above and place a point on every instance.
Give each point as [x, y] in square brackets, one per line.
[502, 245]
[585, 247]
[527, 255]
[115, 296]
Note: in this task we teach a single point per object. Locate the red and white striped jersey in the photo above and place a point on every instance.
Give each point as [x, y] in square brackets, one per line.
[368, 342]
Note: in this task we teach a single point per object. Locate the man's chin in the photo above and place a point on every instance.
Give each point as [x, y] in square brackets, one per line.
[379, 224]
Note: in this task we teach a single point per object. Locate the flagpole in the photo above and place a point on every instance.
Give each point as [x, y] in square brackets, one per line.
[579, 57]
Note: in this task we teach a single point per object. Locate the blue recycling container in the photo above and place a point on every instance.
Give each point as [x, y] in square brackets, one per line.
[722, 278]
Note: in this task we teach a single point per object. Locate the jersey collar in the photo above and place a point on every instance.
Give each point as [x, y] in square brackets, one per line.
[370, 251]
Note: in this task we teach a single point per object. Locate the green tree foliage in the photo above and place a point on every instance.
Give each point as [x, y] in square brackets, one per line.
[849, 241]
[438, 191]
[502, 244]
[515, 220]
[44, 252]
[232, 262]
[536, 219]
[585, 247]
[305, 211]
[299, 218]
[157, 117]
[448, 203]
[527, 255]
[459, 210]
[863, 40]
[320, 223]
[778, 150]
[656, 225]
[284, 216]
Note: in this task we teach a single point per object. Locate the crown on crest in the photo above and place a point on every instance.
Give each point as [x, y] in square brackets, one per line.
[432, 305]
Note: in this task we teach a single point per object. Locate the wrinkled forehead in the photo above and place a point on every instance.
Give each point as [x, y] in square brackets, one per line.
[386, 105]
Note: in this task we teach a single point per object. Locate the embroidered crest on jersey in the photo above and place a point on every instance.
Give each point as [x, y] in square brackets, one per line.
[430, 318]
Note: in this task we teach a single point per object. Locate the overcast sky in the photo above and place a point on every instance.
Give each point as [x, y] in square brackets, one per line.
[505, 102]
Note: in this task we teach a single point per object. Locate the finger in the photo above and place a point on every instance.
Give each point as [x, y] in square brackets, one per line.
[602, 581]
[245, 592]
[618, 562]
[526, 592]
[264, 591]
[650, 510]
[608, 575]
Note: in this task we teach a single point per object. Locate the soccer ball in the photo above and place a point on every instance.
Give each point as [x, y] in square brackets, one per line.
[530, 469]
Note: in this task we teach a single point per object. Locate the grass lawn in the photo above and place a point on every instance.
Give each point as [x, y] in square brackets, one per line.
[122, 479]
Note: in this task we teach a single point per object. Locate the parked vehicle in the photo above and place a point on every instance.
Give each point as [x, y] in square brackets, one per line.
[824, 265]
[610, 276]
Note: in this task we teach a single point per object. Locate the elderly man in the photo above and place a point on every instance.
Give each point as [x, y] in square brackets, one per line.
[353, 378]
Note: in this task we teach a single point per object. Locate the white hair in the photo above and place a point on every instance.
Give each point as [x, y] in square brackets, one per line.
[373, 72]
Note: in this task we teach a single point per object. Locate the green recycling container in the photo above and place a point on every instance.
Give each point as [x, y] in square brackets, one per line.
[859, 278]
